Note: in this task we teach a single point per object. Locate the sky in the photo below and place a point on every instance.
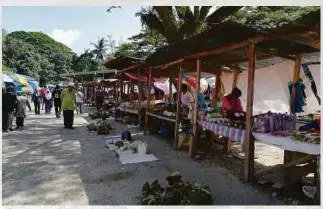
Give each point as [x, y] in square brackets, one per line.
[76, 27]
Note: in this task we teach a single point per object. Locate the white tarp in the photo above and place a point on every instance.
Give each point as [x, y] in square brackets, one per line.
[271, 87]
[287, 143]
[164, 86]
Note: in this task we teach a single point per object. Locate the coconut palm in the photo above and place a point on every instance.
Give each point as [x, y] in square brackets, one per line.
[181, 22]
[100, 49]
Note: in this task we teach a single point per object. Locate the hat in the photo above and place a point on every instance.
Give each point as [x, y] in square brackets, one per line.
[70, 84]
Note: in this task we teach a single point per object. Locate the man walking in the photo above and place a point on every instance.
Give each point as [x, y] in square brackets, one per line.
[79, 101]
[57, 100]
[9, 104]
[68, 105]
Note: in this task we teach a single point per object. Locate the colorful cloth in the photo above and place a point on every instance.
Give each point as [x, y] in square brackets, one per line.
[235, 134]
[300, 100]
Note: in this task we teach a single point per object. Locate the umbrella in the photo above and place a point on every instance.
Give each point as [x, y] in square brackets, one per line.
[27, 77]
[33, 84]
[18, 79]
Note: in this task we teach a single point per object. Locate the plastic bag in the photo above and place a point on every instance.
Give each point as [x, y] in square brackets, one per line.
[142, 148]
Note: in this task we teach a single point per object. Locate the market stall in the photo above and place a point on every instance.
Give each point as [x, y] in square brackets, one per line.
[131, 75]
[219, 47]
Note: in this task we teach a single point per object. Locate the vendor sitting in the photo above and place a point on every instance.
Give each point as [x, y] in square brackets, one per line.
[231, 103]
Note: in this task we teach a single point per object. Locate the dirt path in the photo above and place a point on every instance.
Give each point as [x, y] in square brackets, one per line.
[46, 164]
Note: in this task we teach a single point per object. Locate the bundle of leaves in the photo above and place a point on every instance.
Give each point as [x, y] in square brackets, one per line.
[177, 192]
[104, 128]
[95, 115]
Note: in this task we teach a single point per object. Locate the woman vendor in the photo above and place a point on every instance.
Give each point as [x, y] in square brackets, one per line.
[231, 104]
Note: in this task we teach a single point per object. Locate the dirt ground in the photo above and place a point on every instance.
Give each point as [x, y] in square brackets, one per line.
[46, 164]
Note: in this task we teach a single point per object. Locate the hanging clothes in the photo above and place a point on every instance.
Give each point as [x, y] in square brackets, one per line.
[300, 99]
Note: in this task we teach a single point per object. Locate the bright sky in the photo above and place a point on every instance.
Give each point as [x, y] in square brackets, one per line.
[76, 27]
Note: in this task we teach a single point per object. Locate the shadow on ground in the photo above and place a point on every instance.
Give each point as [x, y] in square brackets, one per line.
[46, 164]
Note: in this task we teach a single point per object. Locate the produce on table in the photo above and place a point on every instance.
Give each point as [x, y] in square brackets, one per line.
[299, 136]
[177, 192]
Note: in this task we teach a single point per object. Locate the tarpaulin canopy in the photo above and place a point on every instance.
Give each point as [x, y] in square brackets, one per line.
[19, 80]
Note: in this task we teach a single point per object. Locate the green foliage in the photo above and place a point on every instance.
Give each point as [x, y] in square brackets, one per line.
[40, 41]
[269, 17]
[177, 192]
[141, 45]
[100, 49]
[37, 55]
[180, 22]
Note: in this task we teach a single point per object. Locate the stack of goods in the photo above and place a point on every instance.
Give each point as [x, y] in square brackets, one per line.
[213, 114]
[177, 192]
[303, 136]
[128, 143]
[270, 122]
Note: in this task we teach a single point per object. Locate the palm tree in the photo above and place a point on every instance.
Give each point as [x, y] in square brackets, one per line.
[180, 22]
[100, 49]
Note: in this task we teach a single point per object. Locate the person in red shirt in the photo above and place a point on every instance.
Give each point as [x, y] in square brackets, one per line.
[43, 92]
[231, 103]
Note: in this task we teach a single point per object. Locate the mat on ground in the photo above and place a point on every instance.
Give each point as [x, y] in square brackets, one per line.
[127, 156]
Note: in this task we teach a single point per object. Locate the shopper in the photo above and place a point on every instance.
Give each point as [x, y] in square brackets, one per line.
[21, 109]
[57, 100]
[9, 104]
[37, 100]
[68, 105]
[79, 101]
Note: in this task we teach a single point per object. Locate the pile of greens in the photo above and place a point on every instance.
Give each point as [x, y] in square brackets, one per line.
[96, 115]
[177, 192]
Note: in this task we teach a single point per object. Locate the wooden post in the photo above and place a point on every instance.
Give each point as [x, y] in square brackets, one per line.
[139, 99]
[178, 107]
[235, 78]
[170, 89]
[249, 139]
[288, 155]
[148, 100]
[217, 89]
[196, 109]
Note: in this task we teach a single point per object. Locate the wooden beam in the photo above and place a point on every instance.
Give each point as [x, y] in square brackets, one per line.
[249, 139]
[288, 155]
[169, 64]
[148, 99]
[170, 89]
[129, 68]
[228, 47]
[193, 140]
[232, 46]
[275, 54]
[178, 107]
[217, 90]
[139, 100]
[235, 74]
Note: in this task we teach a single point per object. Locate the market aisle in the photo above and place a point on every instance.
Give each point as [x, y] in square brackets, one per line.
[41, 163]
[46, 164]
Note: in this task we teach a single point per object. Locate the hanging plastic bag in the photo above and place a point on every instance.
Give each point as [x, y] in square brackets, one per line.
[142, 148]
